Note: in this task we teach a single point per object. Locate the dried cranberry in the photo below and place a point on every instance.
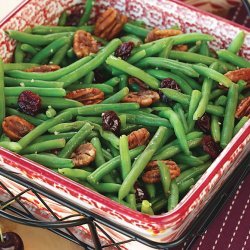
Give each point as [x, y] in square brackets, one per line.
[100, 76]
[140, 193]
[75, 15]
[171, 84]
[124, 50]
[204, 124]
[111, 122]
[29, 103]
[210, 146]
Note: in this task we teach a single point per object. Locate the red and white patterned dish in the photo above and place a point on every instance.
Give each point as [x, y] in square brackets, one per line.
[162, 228]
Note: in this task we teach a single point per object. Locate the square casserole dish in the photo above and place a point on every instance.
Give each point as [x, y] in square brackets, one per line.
[161, 228]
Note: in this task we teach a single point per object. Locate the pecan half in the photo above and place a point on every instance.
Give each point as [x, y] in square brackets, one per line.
[239, 74]
[144, 97]
[110, 24]
[84, 44]
[243, 108]
[43, 68]
[156, 34]
[140, 83]
[152, 171]
[138, 138]
[86, 96]
[181, 47]
[83, 155]
[16, 127]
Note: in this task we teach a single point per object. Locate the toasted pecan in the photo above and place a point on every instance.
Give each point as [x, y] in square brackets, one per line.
[144, 97]
[86, 96]
[156, 34]
[44, 68]
[84, 44]
[181, 47]
[138, 138]
[140, 83]
[243, 108]
[110, 24]
[239, 74]
[83, 155]
[152, 173]
[16, 127]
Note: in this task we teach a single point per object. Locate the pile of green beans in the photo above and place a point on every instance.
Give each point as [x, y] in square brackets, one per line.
[116, 170]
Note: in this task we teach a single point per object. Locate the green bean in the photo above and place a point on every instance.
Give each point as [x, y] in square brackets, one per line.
[56, 103]
[222, 100]
[237, 42]
[41, 129]
[195, 48]
[185, 186]
[196, 58]
[14, 82]
[52, 92]
[18, 66]
[2, 95]
[123, 81]
[71, 53]
[204, 49]
[107, 155]
[100, 108]
[12, 146]
[192, 172]
[78, 174]
[151, 190]
[125, 157]
[173, 198]
[135, 30]
[33, 120]
[94, 119]
[45, 30]
[112, 82]
[166, 51]
[137, 56]
[59, 55]
[179, 110]
[86, 15]
[159, 205]
[88, 79]
[167, 64]
[103, 87]
[50, 112]
[178, 128]
[75, 141]
[160, 74]
[107, 167]
[51, 161]
[215, 128]
[36, 40]
[242, 85]
[146, 208]
[44, 146]
[216, 93]
[189, 160]
[142, 161]
[18, 54]
[65, 136]
[228, 122]
[191, 82]
[99, 159]
[165, 177]
[214, 75]
[169, 151]
[234, 59]
[240, 124]
[124, 203]
[49, 50]
[50, 76]
[62, 19]
[99, 59]
[131, 38]
[131, 199]
[27, 48]
[133, 71]
[117, 97]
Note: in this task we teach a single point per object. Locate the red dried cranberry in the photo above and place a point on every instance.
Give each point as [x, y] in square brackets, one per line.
[124, 50]
[171, 84]
[100, 76]
[29, 103]
[111, 122]
[75, 15]
[204, 123]
[210, 146]
[140, 193]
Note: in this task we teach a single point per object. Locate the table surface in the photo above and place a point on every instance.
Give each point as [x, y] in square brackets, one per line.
[229, 230]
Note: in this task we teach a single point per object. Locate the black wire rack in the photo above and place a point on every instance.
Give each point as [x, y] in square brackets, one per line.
[95, 223]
